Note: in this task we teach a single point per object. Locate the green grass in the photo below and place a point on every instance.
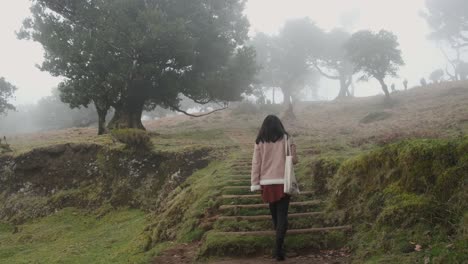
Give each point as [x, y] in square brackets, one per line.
[183, 141]
[73, 236]
[412, 191]
[187, 205]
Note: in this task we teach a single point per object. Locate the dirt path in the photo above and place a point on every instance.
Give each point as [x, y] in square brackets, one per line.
[180, 254]
[323, 257]
[186, 254]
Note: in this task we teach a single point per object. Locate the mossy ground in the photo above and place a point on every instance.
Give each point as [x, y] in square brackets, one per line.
[407, 194]
[75, 236]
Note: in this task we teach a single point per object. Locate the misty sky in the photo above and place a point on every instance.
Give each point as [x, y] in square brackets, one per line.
[18, 57]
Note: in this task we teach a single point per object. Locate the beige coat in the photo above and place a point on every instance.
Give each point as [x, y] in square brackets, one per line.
[268, 163]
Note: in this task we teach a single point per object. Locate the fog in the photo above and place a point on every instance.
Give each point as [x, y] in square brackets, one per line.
[19, 58]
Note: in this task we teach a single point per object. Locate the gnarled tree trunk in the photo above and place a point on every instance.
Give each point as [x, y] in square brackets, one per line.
[102, 113]
[287, 97]
[128, 115]
[384, 87]
[289, 110]
[345, 82]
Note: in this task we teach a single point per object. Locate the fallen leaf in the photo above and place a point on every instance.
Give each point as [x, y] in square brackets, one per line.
[417, 248]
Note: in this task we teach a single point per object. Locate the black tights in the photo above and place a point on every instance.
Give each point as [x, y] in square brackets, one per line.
[279, 215]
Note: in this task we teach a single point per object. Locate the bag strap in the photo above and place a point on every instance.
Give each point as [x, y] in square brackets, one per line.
[287, 147]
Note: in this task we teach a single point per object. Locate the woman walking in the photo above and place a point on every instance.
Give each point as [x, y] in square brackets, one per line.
[268, 167]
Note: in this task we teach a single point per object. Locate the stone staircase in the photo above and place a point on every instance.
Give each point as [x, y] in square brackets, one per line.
[243, 225]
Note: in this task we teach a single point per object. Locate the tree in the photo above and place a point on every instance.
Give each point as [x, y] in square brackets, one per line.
[7, 91]
[134, 55]
[449, 22]
[291, 50]
[50, 113]
[331, 61]
[376, 55]
[437, 75]
[283, 58]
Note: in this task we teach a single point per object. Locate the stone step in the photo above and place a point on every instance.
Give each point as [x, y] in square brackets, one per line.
[264, 205]
[303, 222]
[245, 187]
[247, 165]
[242, 196]
[267, 217]
[245, 181]
[290, 232]
[223, 244]
[243, 176]
[241, 171]
[248, 197]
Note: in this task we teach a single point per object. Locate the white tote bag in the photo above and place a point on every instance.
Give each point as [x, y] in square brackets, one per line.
[290, 183]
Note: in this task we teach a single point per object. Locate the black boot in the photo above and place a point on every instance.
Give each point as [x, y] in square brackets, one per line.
[279, 253]
[280, 256]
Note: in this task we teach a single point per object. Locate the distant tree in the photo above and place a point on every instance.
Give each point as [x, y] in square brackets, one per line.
[283, 58]
[263, 45]
[449, 22]
[297, 40]
[423, 82]
[131, 55]
[7, 91]
[50, 113]
[405, 84]
[437, 75]
[331, 60]
[375, 55]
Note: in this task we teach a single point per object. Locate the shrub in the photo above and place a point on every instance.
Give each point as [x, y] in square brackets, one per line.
[135, 139]
[374, 117]
[5, 148]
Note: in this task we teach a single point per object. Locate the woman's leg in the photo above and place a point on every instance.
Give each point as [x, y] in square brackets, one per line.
[273, 207]
[282, 207]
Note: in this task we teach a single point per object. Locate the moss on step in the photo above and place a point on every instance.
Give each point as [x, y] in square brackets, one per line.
[186, 206]
[256, 200]
[246, 225]
[265, 211]
[216, 244]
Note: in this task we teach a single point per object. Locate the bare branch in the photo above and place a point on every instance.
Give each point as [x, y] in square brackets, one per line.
[452, 77]
[448, 59]
[314, 63]
[177, 109]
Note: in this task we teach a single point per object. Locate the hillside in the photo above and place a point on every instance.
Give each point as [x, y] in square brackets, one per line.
[363, 164]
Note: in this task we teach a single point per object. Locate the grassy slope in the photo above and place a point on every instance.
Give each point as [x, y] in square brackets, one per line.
[406, 194]
[327, 134]
[109, 235]
[74, 236]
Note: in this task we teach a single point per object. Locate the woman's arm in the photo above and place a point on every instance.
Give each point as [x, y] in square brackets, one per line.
[256, 166]
[293, 151]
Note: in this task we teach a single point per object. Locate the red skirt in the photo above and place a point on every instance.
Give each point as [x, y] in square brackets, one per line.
[272, 193]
